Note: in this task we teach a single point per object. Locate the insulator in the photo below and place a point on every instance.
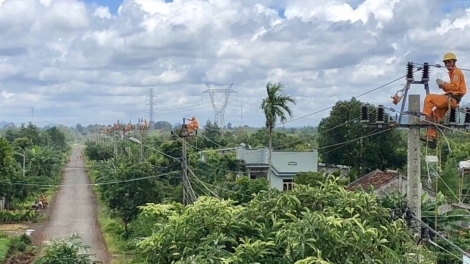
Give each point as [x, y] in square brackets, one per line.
[409, 71]
[380, 114]
[453, 116]
[467, 115]
[425, 72]
[364, 113]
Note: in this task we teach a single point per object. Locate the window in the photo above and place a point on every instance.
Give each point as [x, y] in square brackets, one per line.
[258, 173]
[287, 184]
[292, 163]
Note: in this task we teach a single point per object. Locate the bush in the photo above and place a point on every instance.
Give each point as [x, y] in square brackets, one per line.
[19, 243]
[18, 216]
[4, 241]
[65, 251]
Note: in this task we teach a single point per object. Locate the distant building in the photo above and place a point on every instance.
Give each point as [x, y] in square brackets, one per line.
[285, 164]
[389, 181]
[224, 151]
[385, 183]
[328, 168]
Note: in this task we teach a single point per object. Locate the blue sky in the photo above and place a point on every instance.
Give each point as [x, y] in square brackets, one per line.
[112, 4]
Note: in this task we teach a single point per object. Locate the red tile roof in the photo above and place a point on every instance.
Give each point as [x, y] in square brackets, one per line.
[376, 179]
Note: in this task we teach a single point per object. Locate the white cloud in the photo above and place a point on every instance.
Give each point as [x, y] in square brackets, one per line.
[79, 63]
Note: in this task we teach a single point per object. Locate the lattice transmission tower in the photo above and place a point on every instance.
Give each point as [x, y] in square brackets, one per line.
[151, 104]
[219, 104]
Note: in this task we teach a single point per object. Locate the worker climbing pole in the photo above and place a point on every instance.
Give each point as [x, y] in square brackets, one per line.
[434, 110]
[187, 131]
[437, 105]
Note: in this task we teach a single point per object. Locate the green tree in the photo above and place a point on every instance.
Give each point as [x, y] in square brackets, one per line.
[348, 227]
[9, 174]
[243, 189]
[386, 150]
[275, 107]
[132, 188]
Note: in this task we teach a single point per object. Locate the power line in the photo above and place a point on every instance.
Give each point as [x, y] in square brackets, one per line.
[440, 235]
[357, 96]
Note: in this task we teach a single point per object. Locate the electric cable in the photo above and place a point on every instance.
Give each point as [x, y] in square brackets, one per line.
[357, 96]
[440, 236]
[437, 65]
[341, 144]
[87, 184]
[299, 140]
[443, 249]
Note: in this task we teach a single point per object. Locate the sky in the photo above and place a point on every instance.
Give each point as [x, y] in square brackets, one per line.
[94, 61]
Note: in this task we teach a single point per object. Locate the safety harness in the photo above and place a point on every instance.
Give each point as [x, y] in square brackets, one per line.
[456, 97]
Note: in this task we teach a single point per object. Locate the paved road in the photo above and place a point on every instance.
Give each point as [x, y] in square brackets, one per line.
[74, 210]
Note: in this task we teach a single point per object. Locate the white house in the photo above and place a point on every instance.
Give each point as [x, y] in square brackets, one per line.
[285, 164]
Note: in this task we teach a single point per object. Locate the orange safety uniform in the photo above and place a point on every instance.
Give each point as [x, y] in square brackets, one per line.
[454, 91]
[193, 125]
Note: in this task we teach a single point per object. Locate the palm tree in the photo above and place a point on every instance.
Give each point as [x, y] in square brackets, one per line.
[275, 106]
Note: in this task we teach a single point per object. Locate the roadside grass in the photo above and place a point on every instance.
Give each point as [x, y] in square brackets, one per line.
[111, 228]
[16, 247]
[4, 247]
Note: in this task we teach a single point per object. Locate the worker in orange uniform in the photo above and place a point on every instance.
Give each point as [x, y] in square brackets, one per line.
[193, 125]
[454, 91]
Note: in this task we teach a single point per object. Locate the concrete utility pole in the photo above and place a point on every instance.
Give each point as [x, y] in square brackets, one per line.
[414, 162]
[414, 145]
[414, 126]
[24, 161]
[184, 164]
[189, 196]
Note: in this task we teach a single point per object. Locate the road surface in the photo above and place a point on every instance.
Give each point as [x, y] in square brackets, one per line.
[75, 210]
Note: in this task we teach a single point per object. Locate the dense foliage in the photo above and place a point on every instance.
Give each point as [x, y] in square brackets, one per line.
[324, 224]
[385, 149]
[43, 153]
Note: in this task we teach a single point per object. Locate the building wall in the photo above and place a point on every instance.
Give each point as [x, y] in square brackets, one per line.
[398, 184]
[402, 185]
[295, 162]
[228, 151]
[286, 163]
[277, 182]
[255, 156]
[332, 168]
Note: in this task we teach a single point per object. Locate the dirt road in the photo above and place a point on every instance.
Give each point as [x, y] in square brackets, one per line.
[75, 210]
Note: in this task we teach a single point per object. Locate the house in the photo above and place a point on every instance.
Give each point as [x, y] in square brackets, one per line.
[224, 151]
[285, 164]
[328, 168]
[385, 182]
[391, 181]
